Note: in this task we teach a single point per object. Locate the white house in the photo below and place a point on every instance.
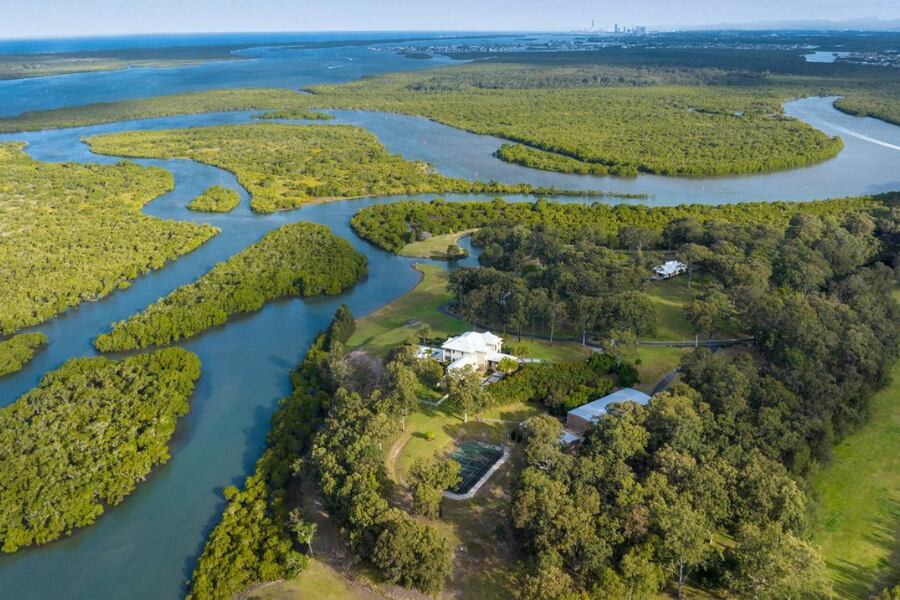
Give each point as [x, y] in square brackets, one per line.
[669, 269]
[479, 350]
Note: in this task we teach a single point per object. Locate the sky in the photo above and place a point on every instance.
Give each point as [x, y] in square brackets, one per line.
[46, 18]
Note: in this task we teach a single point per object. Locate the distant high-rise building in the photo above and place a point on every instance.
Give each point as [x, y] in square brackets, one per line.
[616, 28]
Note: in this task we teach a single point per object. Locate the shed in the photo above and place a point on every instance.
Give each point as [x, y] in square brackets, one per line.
[579, 419]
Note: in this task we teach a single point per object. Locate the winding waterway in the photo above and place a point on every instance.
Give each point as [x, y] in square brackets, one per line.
[146, 547]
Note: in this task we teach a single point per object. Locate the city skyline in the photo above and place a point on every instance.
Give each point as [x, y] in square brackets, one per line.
[56, 18]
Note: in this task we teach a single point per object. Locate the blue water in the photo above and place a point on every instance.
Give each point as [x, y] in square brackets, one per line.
[175, 40]
[267, 66]
[146, 547]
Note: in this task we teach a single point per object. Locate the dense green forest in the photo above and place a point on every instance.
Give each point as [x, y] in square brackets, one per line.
[549, 161]
[285, 166]
[298, 259]
[84, 437]
[665, 129]
[707, 483]
[216, 199]
[881, 103]
[686, 112]
[255, 539]
[18, 350]
[75, 232]
[297, 114]
[391, 226]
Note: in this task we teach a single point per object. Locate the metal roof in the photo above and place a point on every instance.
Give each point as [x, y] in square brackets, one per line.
[472, 341]
[596, 408]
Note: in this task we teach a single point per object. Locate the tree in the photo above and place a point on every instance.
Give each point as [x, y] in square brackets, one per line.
[542, 448]
[429, 371]
[641, 573]
[620, 343]
[686, 533]
[402, 390]
[342, 326]
[771, 562]
[584, 311]
[455, 252]
[303, 530]
[412, 553]
[707, 311]
[548, 582]
[428, 477]
[424, 332]
[554, 310]
[638, 238]
[691, 255]
[630, 310]
[536, 306]
[465, 391]
[507, 365]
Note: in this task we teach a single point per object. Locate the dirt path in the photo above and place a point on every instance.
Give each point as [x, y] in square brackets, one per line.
[390, 460]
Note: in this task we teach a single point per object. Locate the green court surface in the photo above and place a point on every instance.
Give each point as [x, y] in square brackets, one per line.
[475, 459]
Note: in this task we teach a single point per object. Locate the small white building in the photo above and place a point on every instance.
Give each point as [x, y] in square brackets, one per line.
[669, 269]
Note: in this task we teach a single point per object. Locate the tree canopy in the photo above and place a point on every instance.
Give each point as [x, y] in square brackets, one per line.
[215, 199]
[81, 440]
[18, 350]
[298, 259]
[75, 232]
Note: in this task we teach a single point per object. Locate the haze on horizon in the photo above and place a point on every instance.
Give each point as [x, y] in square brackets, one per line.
[63, 18]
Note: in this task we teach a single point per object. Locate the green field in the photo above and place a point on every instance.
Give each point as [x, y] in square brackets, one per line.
[434, 247]
[318, 581]
[670, 296]
[656, 361]
[446, 424]
[858, 501]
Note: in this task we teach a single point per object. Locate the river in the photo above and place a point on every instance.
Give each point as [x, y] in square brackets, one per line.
[146, 547]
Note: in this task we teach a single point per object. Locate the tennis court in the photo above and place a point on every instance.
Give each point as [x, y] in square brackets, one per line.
[476, 459]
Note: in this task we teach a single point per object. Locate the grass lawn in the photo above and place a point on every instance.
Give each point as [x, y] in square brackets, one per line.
[447, 425]
[858, 500]
[656, 361]
[391, 325]
[670, 296]
[484, 566]
[435, 247]
[317, 582]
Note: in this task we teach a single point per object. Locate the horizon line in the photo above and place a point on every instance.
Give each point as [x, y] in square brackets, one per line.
[744, 27]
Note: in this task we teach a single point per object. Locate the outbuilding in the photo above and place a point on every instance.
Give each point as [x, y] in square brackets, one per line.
[578, 420]
[669, 269]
